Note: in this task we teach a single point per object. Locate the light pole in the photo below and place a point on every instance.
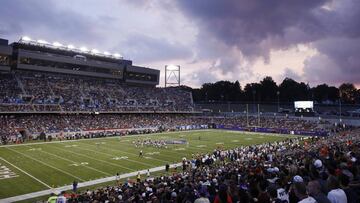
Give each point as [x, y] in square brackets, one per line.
[278, 101]
[340, 110]
[259, 115]
[340, 95]
[254, 92]
[247, 115]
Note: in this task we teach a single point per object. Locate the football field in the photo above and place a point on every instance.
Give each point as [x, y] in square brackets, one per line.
[40, 166]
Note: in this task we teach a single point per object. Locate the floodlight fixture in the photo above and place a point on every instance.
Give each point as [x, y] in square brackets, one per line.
[117, 55]
[57, 44]
[84, 49]
[70, 46]
[172, 67]
[40, 41]
[25, 38]
[95, 51]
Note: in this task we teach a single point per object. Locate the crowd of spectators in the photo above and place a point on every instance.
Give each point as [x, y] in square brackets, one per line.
[9, 89]
[295, 124]
[43, 91]
[313, 170]
[30, 126]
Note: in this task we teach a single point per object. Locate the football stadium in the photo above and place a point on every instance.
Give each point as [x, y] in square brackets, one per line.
[82, 125]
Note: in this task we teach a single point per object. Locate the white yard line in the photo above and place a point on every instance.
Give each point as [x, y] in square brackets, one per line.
[112, 137]
[68, 160]
[89, 157]
[83, 184]
[144, 148]
[62, 171]
[46, 185]
[126, 153]
[170, 150]
[112, 155]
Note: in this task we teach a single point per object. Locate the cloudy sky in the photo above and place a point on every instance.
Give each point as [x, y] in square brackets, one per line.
[316, 41]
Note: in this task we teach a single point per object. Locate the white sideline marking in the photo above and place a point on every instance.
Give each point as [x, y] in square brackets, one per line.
[25, 173]
[234, 140]
[62, 171]
[74, 145]
[82, 184]
[248, 138]
[219, 143]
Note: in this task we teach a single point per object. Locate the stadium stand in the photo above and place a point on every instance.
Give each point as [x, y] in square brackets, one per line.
[39, 92]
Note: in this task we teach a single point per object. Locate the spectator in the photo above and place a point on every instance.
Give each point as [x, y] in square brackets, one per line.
[203, 196]
[314, 189]
[351, 195]
[300, 192]
[336, 194]
[223, 196]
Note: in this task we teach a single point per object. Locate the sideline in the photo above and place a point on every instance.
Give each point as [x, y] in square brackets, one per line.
[82, 184]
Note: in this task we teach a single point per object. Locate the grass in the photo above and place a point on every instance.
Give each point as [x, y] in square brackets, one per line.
[56, 164]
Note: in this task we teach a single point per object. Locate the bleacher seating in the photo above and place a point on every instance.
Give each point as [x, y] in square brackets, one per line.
[55, 92]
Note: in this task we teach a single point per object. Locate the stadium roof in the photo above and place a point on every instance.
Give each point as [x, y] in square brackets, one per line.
[70, 47]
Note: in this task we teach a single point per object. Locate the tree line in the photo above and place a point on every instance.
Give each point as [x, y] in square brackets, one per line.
[267, 90]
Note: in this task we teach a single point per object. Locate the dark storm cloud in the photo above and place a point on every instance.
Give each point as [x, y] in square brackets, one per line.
[143, 48]
[256, 27]
[45, 20]
[338, 61]
[339, 58]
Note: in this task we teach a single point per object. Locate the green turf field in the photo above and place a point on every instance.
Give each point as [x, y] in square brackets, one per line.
[39, 166]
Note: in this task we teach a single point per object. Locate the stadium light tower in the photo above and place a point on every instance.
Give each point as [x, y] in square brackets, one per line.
[172, 75]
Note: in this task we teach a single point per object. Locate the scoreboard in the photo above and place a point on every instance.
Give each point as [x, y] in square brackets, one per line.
[304, 108]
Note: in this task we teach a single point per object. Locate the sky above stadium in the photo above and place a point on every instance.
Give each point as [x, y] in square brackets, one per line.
[315, 41]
